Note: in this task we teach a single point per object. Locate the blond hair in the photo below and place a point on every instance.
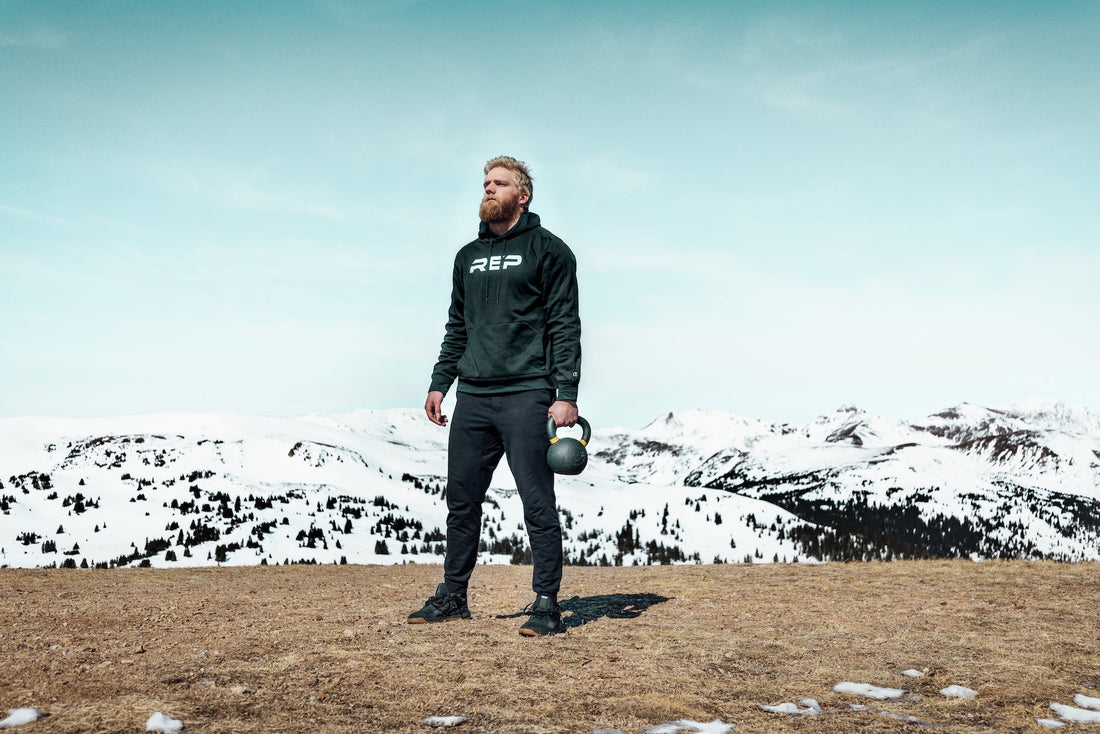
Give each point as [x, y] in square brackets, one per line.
[519, 168]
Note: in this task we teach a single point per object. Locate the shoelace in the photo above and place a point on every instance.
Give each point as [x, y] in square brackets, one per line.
[445, 602]
[530, 609]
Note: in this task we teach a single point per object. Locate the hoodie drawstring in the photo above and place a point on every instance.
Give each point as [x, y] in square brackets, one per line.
[500, 275]
[498, 278]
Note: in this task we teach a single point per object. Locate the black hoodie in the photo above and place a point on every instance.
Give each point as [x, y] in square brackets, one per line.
[514, 321]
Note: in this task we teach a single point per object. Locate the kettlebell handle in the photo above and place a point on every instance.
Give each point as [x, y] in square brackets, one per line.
[552, 430]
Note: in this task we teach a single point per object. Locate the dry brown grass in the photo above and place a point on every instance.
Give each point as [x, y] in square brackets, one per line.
[326, 649]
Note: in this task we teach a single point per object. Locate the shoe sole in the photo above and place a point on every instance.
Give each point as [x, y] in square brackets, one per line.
[421, 620]
[533, 633]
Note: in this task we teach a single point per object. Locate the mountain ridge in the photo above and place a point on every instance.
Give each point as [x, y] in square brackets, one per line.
[1014, 481]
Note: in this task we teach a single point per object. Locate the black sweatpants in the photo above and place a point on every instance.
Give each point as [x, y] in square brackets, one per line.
[484, 428]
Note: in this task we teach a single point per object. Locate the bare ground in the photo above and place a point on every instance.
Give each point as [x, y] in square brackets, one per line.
[327, 649]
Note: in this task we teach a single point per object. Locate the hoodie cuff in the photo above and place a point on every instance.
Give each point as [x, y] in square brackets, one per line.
[568, 392]
[442, 387]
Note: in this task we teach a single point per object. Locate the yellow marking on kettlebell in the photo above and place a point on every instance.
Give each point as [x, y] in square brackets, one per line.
[583, 442]
[555, 440]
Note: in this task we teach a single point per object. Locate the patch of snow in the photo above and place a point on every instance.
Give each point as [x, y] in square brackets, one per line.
[19, 717]
[675, 727]
[163, 723]
[444, 720]
[959, 692]
[912, 673]
[869, 691]
[1050, 723]
[1088, 702]
[1075, 715]
[812, 708]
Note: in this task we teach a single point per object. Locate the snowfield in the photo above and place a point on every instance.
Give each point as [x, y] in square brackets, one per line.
[1021, 481]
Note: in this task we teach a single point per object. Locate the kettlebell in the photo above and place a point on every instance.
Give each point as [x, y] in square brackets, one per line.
[567, 455]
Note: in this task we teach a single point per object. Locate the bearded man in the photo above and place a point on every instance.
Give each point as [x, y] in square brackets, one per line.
[513, 342]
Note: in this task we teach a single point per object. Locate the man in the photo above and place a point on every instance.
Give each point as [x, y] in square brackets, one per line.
[512, 341]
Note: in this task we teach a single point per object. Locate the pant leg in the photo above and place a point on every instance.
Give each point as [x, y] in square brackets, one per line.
[474, 448]
[523, 427]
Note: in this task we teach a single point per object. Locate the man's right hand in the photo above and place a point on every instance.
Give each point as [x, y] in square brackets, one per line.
[433, 406]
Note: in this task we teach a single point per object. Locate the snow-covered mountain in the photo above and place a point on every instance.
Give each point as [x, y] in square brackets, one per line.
[1019, 481]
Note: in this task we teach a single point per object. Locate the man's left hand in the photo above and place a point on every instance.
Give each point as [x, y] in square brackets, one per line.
[564, 412]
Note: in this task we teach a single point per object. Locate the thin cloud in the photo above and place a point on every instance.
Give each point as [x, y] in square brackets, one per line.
[30, 215]
[832, 72]
[249, 190]
[45, 39]
[803, 93]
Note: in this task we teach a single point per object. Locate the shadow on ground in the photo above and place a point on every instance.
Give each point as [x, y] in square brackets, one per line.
[581, 610]
[613, 606]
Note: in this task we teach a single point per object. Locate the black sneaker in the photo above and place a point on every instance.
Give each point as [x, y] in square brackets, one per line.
[545, 617]
[443, 607]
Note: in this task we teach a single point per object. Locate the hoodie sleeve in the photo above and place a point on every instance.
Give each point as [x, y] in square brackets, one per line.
[563, 321]
[454, 337]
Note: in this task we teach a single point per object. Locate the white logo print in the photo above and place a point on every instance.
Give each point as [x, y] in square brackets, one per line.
[496, 262]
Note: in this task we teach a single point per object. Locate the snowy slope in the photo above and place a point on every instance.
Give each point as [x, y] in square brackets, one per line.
[1018, 481]
[1022, 480]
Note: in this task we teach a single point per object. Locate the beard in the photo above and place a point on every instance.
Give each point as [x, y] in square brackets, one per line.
[498, 210]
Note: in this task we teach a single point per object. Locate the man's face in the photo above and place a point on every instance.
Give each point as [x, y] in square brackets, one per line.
[502, 199]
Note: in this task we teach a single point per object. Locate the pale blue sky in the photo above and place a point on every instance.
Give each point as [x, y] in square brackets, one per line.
[777, 208]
